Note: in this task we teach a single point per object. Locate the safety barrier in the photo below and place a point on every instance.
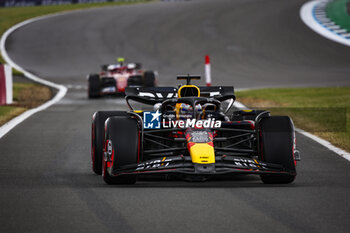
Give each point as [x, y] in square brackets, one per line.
[14, 3]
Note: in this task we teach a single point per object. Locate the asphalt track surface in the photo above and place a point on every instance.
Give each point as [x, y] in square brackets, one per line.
[46, 181]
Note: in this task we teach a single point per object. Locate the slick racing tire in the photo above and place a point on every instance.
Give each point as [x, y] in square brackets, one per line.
[149, 79]
[122, 148]
[97, 137]
[277, 142]
[93, 85]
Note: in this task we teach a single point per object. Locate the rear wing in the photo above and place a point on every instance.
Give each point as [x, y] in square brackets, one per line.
[150, 95]
[220, 93]
[153, 95]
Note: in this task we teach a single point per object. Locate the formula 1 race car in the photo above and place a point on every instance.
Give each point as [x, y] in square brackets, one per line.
[188, 134]
[114, 78]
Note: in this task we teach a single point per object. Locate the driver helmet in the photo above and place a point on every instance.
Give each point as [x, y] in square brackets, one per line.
[184, 111]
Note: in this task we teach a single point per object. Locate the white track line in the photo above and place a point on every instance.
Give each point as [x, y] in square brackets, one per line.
[62, 90]
[321, 141]
[308, 16]
[325, 143]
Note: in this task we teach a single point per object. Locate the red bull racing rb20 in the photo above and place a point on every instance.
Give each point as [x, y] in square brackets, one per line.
[189, 133]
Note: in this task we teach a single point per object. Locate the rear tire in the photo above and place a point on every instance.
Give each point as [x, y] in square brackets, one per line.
[97, 137]
[277, 141]
[122, 145]
[149, 79]
[93, 86]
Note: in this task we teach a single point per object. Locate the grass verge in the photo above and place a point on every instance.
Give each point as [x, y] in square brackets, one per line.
[337, 12]
[9, 112]
[25, 96]
[324, 112]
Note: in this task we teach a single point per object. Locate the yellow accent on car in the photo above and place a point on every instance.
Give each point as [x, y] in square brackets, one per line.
[163, 161]
[202, 153]
[257, 163]
[189, 87]
[247, 110]
[177, 110]
[138, 111]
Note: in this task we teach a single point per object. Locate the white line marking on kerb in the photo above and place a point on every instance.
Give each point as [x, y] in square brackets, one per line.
[62, 90]
[321, 141]
[308, 16]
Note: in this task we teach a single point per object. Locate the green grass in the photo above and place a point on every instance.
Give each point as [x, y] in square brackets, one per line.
[25, 96]
[5, 109]
[18, 88]
[9, 112]
[324, 112]
[337, 12]
[13, 15]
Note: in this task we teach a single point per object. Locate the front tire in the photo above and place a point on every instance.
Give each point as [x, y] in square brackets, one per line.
[93, 86]
[122, 148]
[277, 143]
[97, 137]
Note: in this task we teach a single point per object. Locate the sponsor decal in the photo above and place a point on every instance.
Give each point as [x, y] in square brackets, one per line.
[199, 136]
[192, 123]
[158, 163]
[109, 90]
[151, 120]
[158, 95]
[249, 163]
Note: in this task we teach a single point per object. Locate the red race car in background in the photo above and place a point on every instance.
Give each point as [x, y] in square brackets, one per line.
[114, 78]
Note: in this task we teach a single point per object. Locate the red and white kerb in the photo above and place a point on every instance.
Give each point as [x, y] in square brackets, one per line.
[207, 71]
[5, 84]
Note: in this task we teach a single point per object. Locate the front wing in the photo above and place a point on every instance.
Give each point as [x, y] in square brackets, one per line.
[183, 165]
